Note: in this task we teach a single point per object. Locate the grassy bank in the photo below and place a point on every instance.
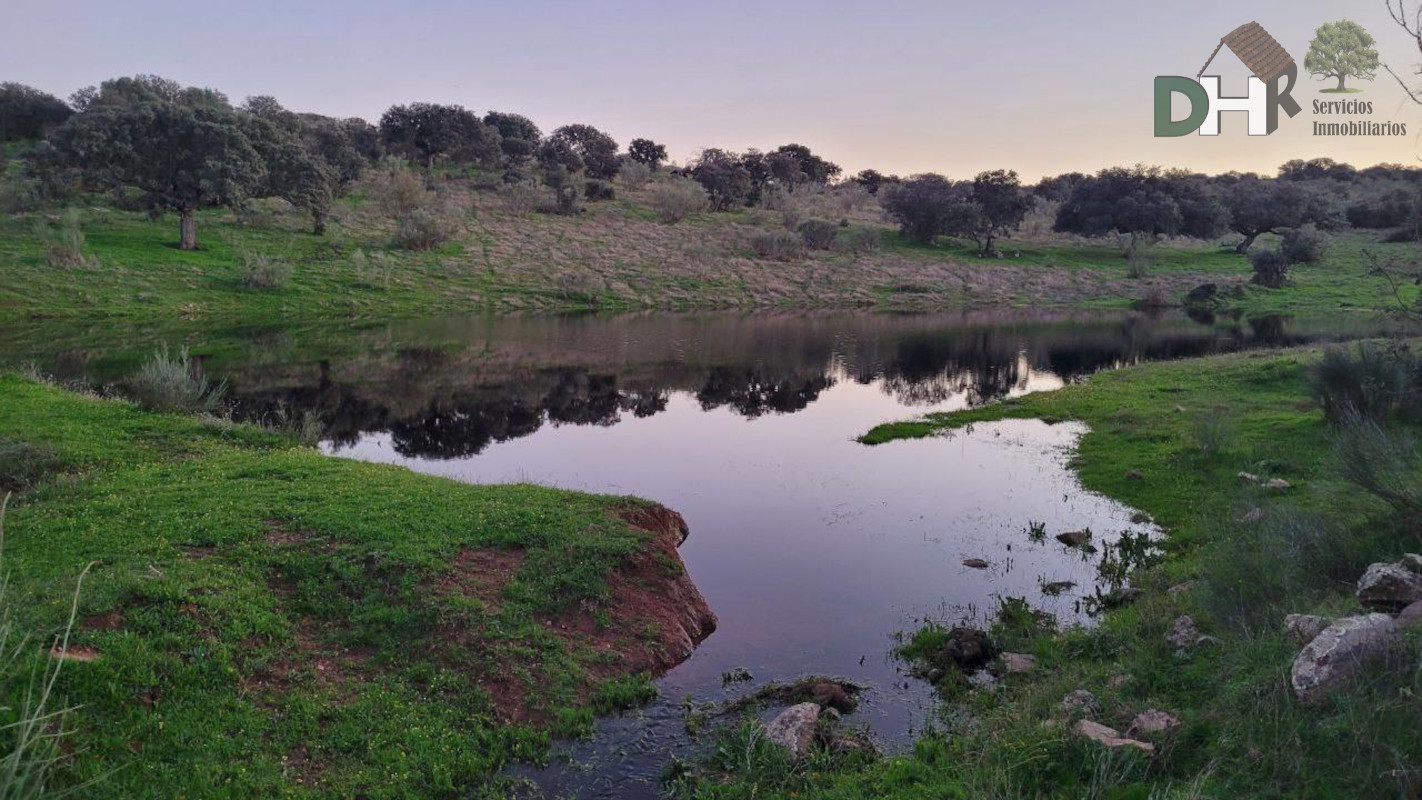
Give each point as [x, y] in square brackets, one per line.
[1170, 438]
[264, 620]
[614, 256]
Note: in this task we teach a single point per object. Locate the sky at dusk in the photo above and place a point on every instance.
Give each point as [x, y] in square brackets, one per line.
[949, 86]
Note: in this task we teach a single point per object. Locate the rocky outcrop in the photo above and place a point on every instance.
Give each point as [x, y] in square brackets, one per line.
[1080, 703]
[1389, 587]
[1341, 651]
[1410, 617]
[968, 649]
[1152, 723]
[1183, 634]
[1017, 662]
[794, 728]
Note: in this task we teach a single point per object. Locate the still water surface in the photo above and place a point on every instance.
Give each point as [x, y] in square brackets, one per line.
[813, 550]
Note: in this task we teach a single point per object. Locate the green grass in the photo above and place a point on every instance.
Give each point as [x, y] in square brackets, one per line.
[273, 621]
[1243, 734]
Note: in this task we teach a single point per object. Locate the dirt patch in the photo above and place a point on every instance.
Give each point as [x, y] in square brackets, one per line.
[280, 535]
[482, 574]
[111, 621]
[75, 652]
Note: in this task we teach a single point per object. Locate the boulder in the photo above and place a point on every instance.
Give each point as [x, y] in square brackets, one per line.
[1303, 628]
[1411, 617]
[1109, 738]
[1017, 662]
[1074, 538]
[1184, 634]
[969, 649]
[1390, 587]
[1248, 477]
[1080, 703]
[975, 563]
[827, 694]
[1340, 652]
[794, 728]
[1277, 484]
[1148, 723]
[1412, 562]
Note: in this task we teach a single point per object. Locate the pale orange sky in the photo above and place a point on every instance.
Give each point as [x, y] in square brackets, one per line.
[947, 86]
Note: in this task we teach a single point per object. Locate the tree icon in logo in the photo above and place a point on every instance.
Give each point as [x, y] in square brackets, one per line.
[1342, 50]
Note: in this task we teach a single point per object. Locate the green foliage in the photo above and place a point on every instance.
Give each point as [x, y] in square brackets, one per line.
[778, 245]
[263, 273]
[174, 382]
[1342, 50]
[1372, 380]
[818, 234]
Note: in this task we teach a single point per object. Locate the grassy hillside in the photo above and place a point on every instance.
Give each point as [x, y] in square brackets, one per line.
[614, 255]
[1170, 438]
[264, 620]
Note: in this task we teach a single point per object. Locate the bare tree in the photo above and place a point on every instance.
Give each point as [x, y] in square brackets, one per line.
[1411, 21]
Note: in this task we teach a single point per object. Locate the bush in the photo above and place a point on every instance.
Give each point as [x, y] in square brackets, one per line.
[374, 269]
[263, 273]
[63, 242]
[818, 234]
[169, 382]
[596, 190]
[399, 191]
[858, 239]
[1372, 384]
[424, 229]
[779, 245]
[1271, 268]
[634, 174]
[523, 198]
[1381, 461]
[1306, 245]
[677, 199]
[23, 465]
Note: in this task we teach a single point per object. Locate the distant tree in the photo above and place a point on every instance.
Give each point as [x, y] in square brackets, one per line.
[872, 180]
[563, 171]
[364, 137]
[757, 169]
[1141, 203]
[1058, 188]
[181, 157]
[141, 89]
[1002, 205]
[1317, 169]
[429, 131]
[597, 150]
[929, 206]
[646, 151]
[815, 169]
[724, 176]
[264, 106]
[28, 113]
[293, 171]
[785, 170]
[1342, 50]
[518, 136]
[1258, 206]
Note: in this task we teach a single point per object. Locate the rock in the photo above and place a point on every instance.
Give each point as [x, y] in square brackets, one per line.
[1074, 538]
[969, 649]
[1080, 702]
[1017, 662]
[1339, 653]
[1412, 562]
[1248, 477]
[1390, 587]
[1140, 518]
[1411, 617]
[1117, 681]
[1152, 722]
[1302, 628]
[1134, 475]
[1277, 484]
[794, 729]
[1184, 634]
[975, 563]
[1180, 588]
[1108, 737]
[1180, 409]
[1252, 515]
[826, 694]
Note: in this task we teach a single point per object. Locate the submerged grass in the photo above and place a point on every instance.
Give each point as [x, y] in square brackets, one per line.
[1242, 733]
[264, 620]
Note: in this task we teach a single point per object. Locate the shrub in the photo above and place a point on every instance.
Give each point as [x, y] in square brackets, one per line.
[596, 190]
[818, 234]
[677, 199]
[858, 239]
[1137, 263]
[374, 269]
[1271, 268]
[63, 242]
[779, 245]
[174, 382]
[1306, 245]
[424, 229]
[1371, 384]
[634, 174]
[306, 427]
[399, 191]
[1381, 461]
[263, 273]
[23, 465]
[523, 197]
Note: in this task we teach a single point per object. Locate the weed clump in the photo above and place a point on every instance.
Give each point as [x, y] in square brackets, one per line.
[817, 234]
[174, 382]
[262, 273]
[63, 242]
[779, 245]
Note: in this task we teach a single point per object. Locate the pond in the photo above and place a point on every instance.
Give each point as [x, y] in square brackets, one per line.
[813, 550]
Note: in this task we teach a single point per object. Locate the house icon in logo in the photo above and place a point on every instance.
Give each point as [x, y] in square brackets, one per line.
[1275, 73]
